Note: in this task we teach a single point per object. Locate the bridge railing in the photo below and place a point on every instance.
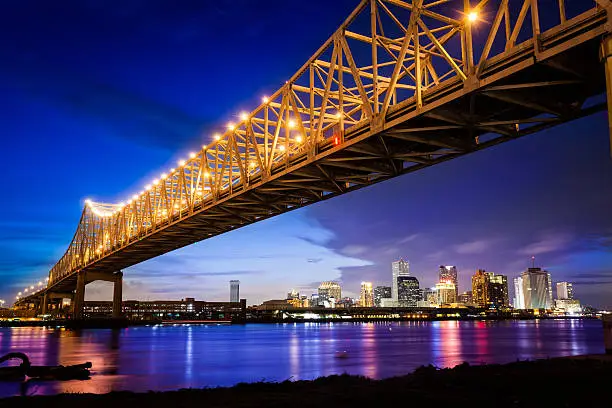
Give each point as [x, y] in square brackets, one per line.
[387, 54]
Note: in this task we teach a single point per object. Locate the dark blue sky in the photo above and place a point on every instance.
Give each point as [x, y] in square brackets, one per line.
[98, 96]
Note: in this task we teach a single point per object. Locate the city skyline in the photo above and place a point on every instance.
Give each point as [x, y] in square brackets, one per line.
[492, 209]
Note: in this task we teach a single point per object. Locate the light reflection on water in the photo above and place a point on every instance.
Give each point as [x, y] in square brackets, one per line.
[172, 357]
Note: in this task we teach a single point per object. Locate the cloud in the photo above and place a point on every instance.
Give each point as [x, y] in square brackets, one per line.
[354, 250]
[408, 238]
[549, 243]
[473, 247]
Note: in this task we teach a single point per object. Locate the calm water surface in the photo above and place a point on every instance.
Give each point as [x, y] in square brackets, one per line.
[172, 357]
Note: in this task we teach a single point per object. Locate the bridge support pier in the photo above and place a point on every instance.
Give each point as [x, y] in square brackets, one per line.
[79, 297]
[45, 304]
[118, 295]
[606, 56]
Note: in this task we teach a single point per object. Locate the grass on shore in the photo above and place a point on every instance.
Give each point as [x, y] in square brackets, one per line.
[555, 383]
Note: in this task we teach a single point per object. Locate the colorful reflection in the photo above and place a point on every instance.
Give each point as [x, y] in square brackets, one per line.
[172, 357]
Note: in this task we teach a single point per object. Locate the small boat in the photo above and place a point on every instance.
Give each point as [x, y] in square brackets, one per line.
[25, 369]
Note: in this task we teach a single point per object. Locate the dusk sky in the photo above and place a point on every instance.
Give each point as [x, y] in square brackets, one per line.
[100, 96]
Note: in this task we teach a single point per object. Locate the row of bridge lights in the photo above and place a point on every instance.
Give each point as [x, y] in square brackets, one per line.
[29, 290]
[291, 124]
[472, 17]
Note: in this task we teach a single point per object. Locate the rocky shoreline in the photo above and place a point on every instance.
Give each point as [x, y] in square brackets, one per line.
[560, 382]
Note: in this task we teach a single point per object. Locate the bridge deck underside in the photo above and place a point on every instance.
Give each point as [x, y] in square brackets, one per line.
[459, 119]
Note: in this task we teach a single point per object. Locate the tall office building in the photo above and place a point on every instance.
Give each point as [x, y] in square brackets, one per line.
[449, 274]
[479, 288]
[380, 293]
[537, 289]
[330, 289]
[234, 291]
[490, 290]
[398, 268]
[519, 296]
[565, 290]
[497, 291]
[366, 299]
[408, 291]
[446, 293]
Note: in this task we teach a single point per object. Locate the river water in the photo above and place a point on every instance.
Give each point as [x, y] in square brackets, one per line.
[173, 357]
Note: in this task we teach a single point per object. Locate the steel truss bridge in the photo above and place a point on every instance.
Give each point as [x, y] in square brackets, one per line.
[401, 85]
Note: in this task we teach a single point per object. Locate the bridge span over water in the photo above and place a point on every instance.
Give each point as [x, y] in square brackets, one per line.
[399, 86]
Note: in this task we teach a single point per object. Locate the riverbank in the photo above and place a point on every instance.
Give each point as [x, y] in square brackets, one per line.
[561, 382]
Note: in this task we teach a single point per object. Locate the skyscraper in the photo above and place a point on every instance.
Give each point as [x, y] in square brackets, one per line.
[398, 268]
[366, 299]
[490, 290]
[408, 291]
[380, 293]
[497, 291]
[565, 290]
[479, 288]
[537, 289]
[234, 291]
[330, 289]
[449, 274]
[519, 296]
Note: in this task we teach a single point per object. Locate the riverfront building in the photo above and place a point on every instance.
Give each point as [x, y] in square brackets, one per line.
[328, 290]
[234, 291]
[446, 293]
[533, 290]
[408, 291]
[448, 274]
[398, 269]
[367, 297]
[186, 309]
[380, 293]
[490, 290]
[565, 290]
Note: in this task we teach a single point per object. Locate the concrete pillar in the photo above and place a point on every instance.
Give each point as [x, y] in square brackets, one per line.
[79, 297]
[606, 56]
[607, 325]
[118, 295]
[45, 302]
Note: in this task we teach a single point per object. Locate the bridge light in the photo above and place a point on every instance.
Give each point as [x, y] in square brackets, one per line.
[291, 124]
[206, 174]
[281, 148]
[163, 176]
[172, 170]
[88, 201]
[244, 116]
[181, 163]
[265, 99]
[192, 155]
[338, 115]
[230, 126]
[298, 138]
[472, 16]
[155, 182]
[218, 136]
[148, 187]
[19, 293]
[135, 197]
